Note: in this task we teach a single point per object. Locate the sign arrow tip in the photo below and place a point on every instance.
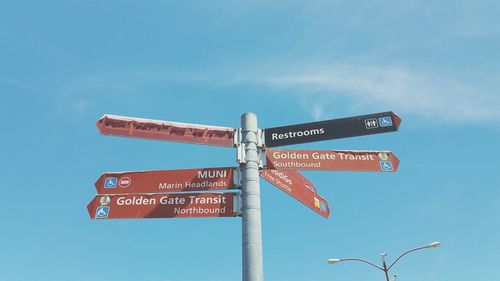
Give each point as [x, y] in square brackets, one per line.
[396, 162]
[100, 123]
[91, 208]
[397, 121]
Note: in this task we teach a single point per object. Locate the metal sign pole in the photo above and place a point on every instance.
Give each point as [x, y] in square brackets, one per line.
[251, 221]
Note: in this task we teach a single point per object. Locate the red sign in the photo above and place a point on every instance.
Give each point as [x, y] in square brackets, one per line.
[184, 205]
[165, 130]
[165, 181]
[332, 160]
[299, 188]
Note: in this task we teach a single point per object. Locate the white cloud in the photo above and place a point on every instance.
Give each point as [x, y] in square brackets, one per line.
[81, 105]
[16, 83]
[393, 87]
[326, 90]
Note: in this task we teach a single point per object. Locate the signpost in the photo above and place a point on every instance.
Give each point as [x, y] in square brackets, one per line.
[212, 192]
[332, 129]
[332, 160]
[184, 205]
[167, 181]
[297, 186]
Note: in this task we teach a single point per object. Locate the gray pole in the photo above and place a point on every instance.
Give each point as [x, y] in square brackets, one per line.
[252, 233]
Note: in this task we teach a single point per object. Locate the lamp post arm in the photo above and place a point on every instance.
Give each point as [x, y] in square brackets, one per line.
[378, 267]
[405, 253]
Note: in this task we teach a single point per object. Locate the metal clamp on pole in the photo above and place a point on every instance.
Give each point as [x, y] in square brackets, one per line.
[260, 138]
[240, 147]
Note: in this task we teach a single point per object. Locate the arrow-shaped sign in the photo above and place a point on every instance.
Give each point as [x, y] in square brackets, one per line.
[332, 160]
[165, 130]
[297, 186]
[184, 205]
[332, 129]
[166, 181]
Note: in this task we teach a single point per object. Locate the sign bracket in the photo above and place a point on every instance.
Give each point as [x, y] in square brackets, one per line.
[237, 178]
[237, 211]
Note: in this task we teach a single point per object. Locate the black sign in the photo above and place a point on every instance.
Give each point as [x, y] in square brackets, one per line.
[332, 129]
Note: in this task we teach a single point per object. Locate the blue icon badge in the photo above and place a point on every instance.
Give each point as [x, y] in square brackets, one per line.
[102, 212]
[323, 207]
[386, 166]
[385, 121]
[110, 182]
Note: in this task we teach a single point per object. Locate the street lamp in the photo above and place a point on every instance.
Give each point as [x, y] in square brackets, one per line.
[384, 267]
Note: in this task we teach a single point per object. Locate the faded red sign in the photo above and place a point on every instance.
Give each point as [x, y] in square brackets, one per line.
[165, 130]
[166, 181]
[297, 186]
[184, 205]
[332, 160]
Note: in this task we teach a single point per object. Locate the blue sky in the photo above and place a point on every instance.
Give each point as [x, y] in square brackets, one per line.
[64, 64]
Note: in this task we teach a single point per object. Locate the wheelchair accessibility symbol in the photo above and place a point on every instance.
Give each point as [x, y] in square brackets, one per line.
[385, 121]
[102, 212]
[322, 207]
[386, 166]
[110, 182]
